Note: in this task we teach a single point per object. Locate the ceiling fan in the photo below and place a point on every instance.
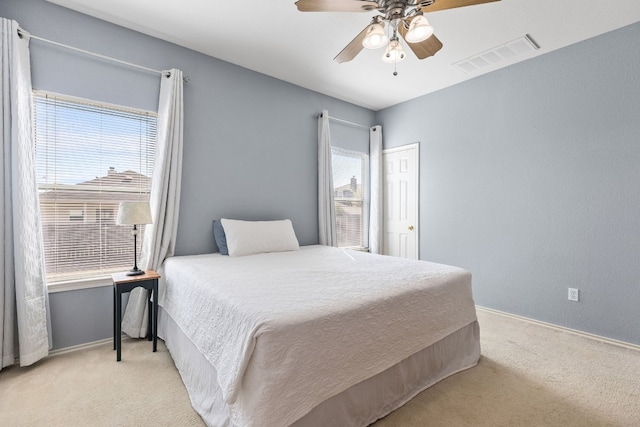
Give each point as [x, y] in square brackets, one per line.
[405, 17]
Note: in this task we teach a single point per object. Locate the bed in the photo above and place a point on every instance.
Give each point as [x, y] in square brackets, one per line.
[321, 336]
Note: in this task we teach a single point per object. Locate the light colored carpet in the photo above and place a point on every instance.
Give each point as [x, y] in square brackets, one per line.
[529, 375]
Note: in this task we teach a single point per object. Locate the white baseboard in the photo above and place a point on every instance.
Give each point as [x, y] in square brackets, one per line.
[84, 346]
[489, 310]
[611, 341]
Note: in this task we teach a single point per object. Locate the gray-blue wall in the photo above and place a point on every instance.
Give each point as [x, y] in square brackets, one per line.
[529, 174]
[530, 178]
[250, 141]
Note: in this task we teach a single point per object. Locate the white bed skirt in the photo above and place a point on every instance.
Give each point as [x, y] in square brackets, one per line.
[359, 405]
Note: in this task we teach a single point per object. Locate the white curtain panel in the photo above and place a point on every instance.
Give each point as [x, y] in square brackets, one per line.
[23, 290]
[376, 201]
[326, 204]
[160, 237]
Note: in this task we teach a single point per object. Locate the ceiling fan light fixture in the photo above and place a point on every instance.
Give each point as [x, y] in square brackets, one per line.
[394, 52]
[419, 30]
[375, 38]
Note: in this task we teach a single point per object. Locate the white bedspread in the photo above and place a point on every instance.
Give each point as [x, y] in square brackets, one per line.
[286, 331]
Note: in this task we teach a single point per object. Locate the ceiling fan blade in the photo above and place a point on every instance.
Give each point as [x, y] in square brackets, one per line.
[336, 5]
[352, 49]
[425, 48]
[451, 4]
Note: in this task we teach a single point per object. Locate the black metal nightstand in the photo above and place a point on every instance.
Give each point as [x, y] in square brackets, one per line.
[123, 283]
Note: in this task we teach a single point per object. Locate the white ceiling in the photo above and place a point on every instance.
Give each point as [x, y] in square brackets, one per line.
[273, 38]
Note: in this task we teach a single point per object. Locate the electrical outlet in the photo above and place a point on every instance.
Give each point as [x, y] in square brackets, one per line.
[574, 294]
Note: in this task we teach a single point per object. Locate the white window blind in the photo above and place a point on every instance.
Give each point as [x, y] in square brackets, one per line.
[89, 157]
[350, 176]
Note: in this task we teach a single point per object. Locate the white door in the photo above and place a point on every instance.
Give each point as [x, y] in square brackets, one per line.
[401, 175]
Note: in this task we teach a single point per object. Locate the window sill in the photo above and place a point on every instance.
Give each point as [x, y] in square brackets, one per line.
[356, 248]
[76, 284]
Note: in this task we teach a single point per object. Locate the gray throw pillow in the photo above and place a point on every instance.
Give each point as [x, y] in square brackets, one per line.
[220, 237]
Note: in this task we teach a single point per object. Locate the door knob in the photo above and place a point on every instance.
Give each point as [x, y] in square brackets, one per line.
[411, 228]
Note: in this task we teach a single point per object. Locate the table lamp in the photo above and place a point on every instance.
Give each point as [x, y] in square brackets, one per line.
[134, 213]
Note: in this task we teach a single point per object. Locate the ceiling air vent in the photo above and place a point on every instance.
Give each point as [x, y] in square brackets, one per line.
[503, 52]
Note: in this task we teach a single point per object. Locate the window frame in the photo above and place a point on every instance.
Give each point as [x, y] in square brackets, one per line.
[364, 222]
[100, 279]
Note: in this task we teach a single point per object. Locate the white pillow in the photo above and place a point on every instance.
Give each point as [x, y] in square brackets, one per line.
[255, 237]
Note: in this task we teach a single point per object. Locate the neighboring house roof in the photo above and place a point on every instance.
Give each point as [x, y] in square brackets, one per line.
[112, 188]
[353, 190]
[353, 187]
[129, 178]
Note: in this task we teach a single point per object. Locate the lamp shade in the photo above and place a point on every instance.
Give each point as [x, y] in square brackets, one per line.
[394, 52]
[419, 30]
[375, 37]
[131, 213]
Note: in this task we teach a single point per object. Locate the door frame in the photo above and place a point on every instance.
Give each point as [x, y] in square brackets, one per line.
[414, 146]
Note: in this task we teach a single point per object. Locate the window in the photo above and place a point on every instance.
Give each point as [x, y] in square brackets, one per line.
[89, 157]
[76, 215]
[350, 172]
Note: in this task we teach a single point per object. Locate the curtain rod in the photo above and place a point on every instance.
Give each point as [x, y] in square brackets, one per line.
[98, 55]
[346, 122]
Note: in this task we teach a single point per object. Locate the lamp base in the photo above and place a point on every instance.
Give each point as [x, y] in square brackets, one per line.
[135, 272]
